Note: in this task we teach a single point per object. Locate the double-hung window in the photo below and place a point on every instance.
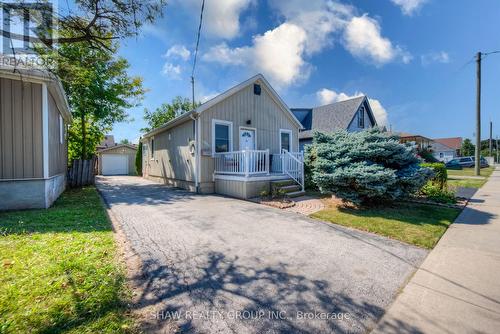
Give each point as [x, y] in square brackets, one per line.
[222, 133]
[361, 117]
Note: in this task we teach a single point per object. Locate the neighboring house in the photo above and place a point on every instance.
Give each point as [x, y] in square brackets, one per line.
[235, 144]
[34, 115]
[446, 149]
[117, 160]
[421, 142]
[352, 115]
[108, 141]
[442, 152]
[454, 143]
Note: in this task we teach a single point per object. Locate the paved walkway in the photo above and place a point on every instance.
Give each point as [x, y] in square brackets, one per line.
[220, 265]
[466, 177]
[306, 205]
[457, 288]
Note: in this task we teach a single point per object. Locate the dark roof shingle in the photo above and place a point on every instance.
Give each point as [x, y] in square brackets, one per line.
[330, 117]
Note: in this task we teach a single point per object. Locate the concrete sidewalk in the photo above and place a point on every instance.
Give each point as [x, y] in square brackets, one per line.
[457, 288]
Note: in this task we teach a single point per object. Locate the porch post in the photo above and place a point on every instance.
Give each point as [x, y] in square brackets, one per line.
[247, 163]
[267, 161]
[302, 177]
[282, 156]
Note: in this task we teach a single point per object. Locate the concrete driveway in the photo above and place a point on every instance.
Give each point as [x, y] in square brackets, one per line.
[212, 264]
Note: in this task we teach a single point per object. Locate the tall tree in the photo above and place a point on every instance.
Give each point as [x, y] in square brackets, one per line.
[95, 22]
[468, 148]
[99, 91]
[166, 112]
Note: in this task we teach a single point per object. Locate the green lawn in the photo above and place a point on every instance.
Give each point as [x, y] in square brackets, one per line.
[59, 270]
[470, 171]
[467, 183]
[417, 224]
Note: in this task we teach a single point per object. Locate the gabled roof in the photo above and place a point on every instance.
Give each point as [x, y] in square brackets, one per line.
[108, 141]
[454, 142]
[117, 146]
[440, 147]
[330, 117]
[223, 96]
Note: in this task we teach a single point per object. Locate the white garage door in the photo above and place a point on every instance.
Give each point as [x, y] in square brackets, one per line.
[114, 164]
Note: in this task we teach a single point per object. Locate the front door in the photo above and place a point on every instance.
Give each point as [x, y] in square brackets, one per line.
[247, 139]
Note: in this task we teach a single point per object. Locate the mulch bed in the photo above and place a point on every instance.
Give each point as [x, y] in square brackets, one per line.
[275, 203]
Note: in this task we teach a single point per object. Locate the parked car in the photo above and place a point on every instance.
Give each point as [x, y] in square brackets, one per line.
[465, 162]
[453, 164]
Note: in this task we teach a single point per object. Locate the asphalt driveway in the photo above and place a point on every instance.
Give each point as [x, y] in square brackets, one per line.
[212, 264]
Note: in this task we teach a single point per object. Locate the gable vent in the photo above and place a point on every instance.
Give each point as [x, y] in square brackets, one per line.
[256, 89]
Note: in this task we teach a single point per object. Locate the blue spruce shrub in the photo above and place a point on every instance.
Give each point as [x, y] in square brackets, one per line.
[366, 167]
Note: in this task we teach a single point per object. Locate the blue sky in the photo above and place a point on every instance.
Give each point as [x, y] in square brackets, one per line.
[413, 58]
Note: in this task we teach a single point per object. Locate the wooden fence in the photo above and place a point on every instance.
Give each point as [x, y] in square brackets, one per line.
[82, 173]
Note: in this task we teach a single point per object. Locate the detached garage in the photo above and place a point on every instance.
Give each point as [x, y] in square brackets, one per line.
[117, 160]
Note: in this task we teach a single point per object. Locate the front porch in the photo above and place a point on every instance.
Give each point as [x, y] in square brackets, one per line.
[245, 174]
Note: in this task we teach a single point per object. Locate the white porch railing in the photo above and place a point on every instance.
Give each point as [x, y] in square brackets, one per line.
[258, 162]
[250, 162]
[291, 164]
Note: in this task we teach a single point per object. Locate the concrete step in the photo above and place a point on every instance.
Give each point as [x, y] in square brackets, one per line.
[290, 188]
[296, 193]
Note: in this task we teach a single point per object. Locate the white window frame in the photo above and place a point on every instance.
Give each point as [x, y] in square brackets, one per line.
[361, 117]
[247, 128]
[221, 122]
[61, 129]
[291, 138]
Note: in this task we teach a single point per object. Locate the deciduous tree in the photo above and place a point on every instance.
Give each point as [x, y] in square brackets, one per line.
[166, 112]
[99, 91]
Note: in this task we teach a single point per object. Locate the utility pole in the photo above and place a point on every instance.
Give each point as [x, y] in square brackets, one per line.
[192, 90]
[491, 138]
[477, 168]
[497, 151]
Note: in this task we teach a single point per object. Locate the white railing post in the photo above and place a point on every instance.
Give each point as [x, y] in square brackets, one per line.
[247, 162]
[282, 154]
[267, 162]
[302, 177]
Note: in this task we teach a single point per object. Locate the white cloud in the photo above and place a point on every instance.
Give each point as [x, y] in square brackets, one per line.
[277, 53]
[225, 55]
[178, 51]
[364, 40]
[308, 27]
[172, 71]
[327, 96]
[408, 7]
[379, 112]
[280, 53]
[207, 97]
[221, 18]
[319, 19]
[435, 57]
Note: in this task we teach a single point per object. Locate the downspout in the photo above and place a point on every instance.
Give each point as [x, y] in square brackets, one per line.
[195, 117]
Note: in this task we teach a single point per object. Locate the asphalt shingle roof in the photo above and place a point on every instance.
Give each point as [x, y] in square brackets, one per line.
[330, 117]
[454, 142]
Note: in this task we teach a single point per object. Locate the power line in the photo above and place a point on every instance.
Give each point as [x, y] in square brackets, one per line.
[196, 48]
